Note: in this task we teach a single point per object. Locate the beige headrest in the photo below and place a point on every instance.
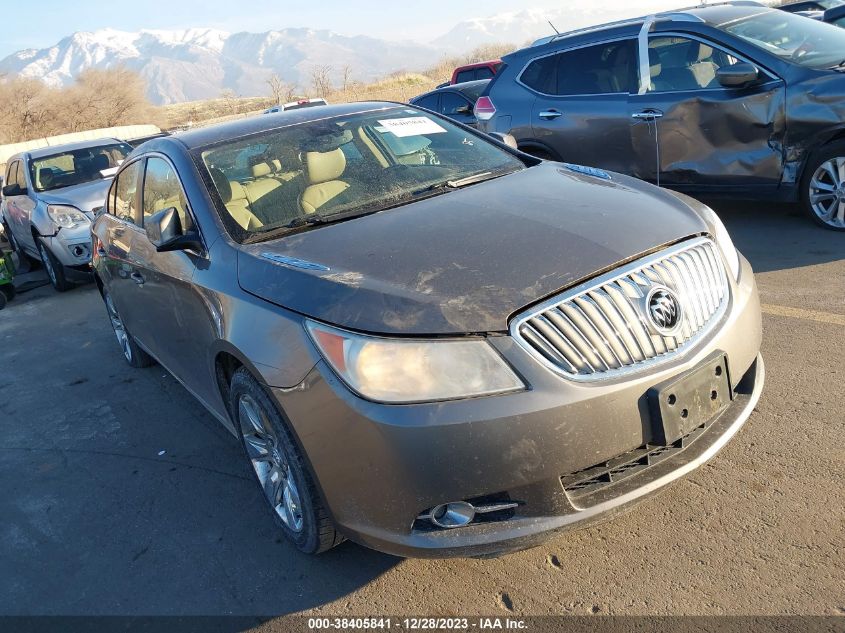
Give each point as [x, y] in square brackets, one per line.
[704, 52]
[276, 164]
[325, 166]
[238, 191]
[261, 169]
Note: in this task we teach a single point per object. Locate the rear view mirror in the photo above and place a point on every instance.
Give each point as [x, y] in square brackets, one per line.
[737, 75]
[165, 232]
[13, 190]
[507, 139]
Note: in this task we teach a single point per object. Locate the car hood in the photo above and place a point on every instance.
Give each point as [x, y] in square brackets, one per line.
[465, 261]
[85, 197]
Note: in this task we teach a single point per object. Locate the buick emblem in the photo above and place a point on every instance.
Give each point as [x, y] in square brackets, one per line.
[663, 309]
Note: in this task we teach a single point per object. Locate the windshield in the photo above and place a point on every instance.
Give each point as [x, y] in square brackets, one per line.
[77, 166]
[793, 37]
[344, 166]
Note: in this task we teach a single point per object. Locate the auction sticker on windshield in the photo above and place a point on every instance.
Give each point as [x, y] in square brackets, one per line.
[411, 126]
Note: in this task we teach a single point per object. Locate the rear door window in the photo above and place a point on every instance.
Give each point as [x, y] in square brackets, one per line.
[465, 75]
[609, 68]
[429, 102]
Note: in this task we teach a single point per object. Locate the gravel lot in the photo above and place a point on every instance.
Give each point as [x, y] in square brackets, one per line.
[95, 519]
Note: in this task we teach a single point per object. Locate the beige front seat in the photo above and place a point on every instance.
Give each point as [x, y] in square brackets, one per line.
[324, 171]
[262, 183]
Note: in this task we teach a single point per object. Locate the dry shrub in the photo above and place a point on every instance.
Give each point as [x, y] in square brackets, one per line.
[29, 109]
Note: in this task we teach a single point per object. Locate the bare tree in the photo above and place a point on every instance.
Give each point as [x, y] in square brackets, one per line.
[230, 99]
[346, 77]
[320, 80]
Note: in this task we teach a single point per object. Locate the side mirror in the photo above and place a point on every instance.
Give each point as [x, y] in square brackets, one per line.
[165, 232]
[738, 75]
[465, 109]
[13, 190]
[507, 139]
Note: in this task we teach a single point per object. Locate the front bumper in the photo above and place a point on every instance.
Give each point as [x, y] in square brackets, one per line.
[72, 247]
[379, 466]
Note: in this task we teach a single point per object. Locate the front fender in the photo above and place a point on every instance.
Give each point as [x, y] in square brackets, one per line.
[41, 222]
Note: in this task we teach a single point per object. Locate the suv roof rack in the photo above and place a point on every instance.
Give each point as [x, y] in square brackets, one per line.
[676, 15]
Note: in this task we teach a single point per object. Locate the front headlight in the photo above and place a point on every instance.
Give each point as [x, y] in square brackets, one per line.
[406, 371]
[723, 238]
[66, 217]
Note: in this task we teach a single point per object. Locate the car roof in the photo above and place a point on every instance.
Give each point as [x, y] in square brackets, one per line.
[201, 137]
[489, 62]
[69, 147]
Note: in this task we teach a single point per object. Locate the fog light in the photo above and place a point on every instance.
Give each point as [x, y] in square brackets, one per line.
[452, 515]
[79, 251]
[460, 513]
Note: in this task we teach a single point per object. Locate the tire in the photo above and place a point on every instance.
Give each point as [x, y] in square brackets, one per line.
[8, 291]
[279, 469]
[3, 300]
[537, 152]
[134, 355]
[823, 187]
[53, 267]
[23, 257]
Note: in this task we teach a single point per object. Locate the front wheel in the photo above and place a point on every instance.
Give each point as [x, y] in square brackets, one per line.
[132, 352]
[823, 187]
[54, 268]
[279, 469]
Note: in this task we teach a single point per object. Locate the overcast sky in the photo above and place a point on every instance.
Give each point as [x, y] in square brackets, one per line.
[45, 22]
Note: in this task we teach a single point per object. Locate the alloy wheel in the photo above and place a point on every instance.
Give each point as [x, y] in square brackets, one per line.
[827, 192]
[269, 460]
[119, 329]
[48, 264]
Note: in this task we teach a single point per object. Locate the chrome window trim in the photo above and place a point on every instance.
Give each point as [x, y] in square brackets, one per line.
[617, 273]
[560, 51]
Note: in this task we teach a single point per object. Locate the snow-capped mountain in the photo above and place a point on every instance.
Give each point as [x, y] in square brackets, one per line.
[527, 25]
[200, 63]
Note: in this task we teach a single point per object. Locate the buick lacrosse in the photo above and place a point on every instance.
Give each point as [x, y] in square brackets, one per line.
[426, 341]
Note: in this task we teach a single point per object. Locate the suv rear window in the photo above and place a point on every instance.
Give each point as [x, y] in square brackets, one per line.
[601, 69]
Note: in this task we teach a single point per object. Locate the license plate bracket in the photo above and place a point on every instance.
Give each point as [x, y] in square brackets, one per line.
[686, 402]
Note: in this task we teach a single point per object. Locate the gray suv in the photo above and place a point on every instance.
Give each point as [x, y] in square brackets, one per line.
[50, 198]
[734, 100]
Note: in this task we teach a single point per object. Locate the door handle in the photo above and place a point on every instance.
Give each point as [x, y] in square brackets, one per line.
[647, 115]
[548, 115]
[137, 277]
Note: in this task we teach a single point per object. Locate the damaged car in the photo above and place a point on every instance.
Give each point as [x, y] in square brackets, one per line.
[50, 198]
[426, 341]
[733, 100]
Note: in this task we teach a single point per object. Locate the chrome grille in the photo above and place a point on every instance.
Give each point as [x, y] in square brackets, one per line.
[601, 328]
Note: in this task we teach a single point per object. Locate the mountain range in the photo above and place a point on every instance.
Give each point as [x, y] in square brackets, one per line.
[193, 64]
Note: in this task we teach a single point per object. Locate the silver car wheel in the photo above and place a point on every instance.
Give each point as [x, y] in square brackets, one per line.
[119, 329]
[827, 192]
[48, 264]
[269, 460]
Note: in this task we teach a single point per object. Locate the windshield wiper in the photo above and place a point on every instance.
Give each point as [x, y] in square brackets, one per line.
[464, 182]
[270, 230]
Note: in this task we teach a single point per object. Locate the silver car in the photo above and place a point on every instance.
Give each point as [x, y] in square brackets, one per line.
[50, 196]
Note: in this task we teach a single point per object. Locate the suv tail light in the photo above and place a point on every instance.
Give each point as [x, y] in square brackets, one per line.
[484, 109]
